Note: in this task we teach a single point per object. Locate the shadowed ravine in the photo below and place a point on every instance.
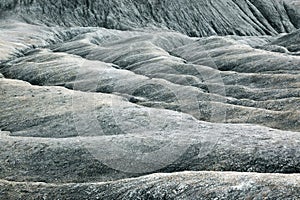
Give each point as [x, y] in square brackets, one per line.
[128, 99]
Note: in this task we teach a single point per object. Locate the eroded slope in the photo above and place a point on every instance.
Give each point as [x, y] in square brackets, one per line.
[81, 105]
